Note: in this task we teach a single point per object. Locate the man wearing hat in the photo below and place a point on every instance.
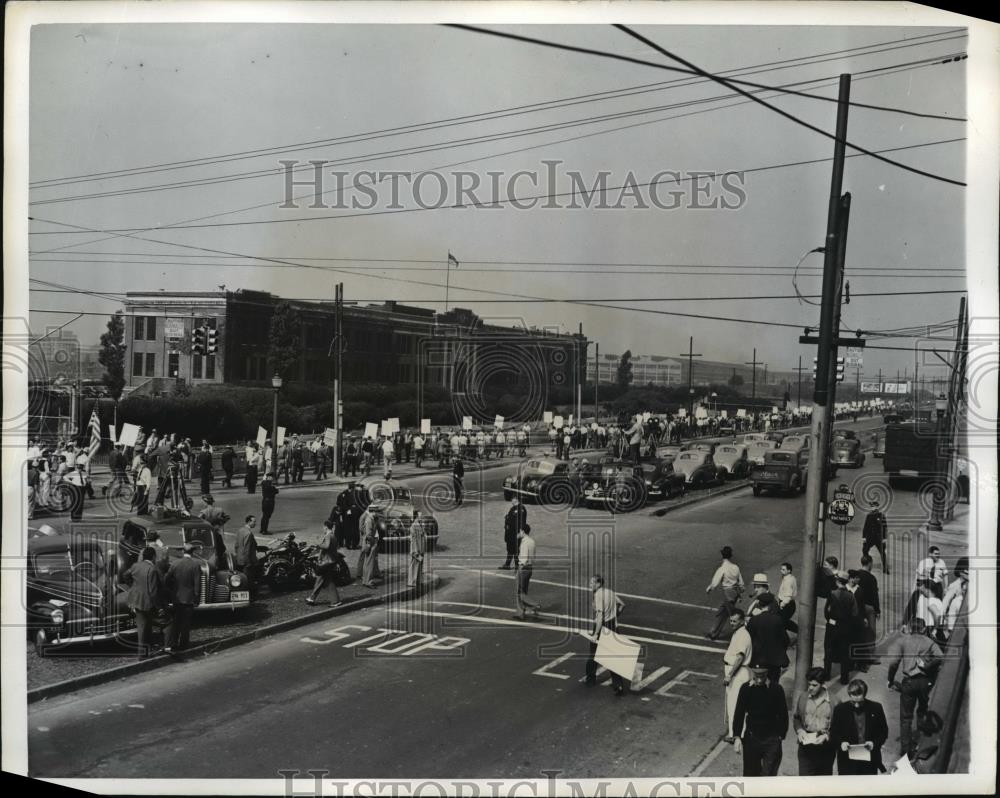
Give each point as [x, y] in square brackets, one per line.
[162, 560]
[841, 614]
[730, 579]
[513, 523]
[268, 492]
[760, 724]
[183, 582]
[759, 586]
[770, 641]
[216, 516]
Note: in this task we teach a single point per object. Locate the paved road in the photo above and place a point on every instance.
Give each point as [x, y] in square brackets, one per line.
[452, 685]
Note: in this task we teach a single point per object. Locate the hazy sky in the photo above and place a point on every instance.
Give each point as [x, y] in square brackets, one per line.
[115, 97]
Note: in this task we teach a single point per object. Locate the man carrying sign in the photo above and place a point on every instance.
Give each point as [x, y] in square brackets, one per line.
[607, 605]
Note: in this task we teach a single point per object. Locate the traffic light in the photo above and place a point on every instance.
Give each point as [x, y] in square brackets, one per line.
[198, 341]
[211, 340]
[814, 369]
[840, 369]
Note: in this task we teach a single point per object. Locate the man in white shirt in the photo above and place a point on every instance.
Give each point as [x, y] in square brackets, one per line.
[418, 449]
[525, 564]
[387, 452]
[634, 434]
[788, 590]
[934, 570]
[607, 605]
[736, 664]
[730, 579]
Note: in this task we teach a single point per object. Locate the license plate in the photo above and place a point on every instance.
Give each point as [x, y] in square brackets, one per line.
[240, 595]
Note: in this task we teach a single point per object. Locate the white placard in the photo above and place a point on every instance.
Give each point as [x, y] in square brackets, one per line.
[701, 412]
[646, 416]
[741, 413]
[111, 433]
[498, 422]
[281, 436]
[466, 422]
[386, 427]
[261, 436]
[725, 414]
[617, 653]
[682, 413]
[129, 434]
[547, 417]
[774, 409]
[557, 422]
[329, 436]
[425, 426]
[371, 430]
[594, 426]
[394, 424]
[571, 419]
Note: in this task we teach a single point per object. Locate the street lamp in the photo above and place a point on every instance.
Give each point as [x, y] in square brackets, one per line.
[276, 384]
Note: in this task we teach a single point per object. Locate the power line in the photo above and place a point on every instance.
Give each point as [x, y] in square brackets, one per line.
[724, 82]
[478, 204]
[875, 48]
[791, 117]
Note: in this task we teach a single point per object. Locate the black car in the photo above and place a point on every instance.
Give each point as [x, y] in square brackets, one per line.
[662, 482]
[619, 486]
[392, 506]
[544, 481]
[73, 596]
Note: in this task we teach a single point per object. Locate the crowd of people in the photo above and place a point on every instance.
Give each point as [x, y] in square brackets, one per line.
[853, 732]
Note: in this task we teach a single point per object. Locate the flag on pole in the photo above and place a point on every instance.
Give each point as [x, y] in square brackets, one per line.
[95, 437]
[452, 259]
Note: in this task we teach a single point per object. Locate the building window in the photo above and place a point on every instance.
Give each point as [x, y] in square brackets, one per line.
[210, 367]
[174, 365]
[137, 364]
[196, 367]
[151, 328]
[150, 364]
[139, 323]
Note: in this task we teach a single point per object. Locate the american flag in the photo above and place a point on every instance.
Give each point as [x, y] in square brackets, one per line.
[95, 437]
[452, 259]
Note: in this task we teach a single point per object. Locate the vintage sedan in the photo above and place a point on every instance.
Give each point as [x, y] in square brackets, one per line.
[792, 443]
[222, 586]
[619, 487]
[774, 435]
[757, 449]
[668, 453]
[698, 468]
[750, 437]
[662, 482]
[847, 452]
[392, 506]
[544, 481]
[732, 460]
[72, 594]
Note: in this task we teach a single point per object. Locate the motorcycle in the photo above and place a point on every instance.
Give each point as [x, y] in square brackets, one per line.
[287, 564]
[340, 570]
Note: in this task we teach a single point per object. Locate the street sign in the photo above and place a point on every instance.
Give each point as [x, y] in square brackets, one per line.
[843, 492]
[855, 356]
[841, 511]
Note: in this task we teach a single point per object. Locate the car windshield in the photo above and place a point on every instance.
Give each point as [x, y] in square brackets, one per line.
[89, 562]
[202, 535]
[541, 468]
[389, 493]
[793, 440]
[778, 457]
[843, 443]
[728, 450]
[763, 444]
[689, 456]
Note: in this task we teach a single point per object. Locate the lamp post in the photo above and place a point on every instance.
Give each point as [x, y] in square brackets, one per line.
[276, 384]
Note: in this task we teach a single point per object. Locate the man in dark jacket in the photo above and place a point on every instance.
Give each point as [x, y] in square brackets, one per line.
[205, 468]
[859, 721]
[228, 465]
[513, 523]
[458, 478]
[116, 463]
[760, 723]
[268, 491]
[145, 597]
[875, 531]
[184, 584]
[770, 640]
[841, 615]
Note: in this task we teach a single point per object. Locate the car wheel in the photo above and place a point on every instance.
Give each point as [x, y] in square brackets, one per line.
[279, 576]
[793, 486]
[41, 642]
[756, 490]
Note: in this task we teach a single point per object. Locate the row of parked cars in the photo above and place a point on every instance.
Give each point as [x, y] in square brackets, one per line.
[782, 464]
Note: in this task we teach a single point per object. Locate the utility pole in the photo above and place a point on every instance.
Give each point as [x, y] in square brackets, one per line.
[691, 355]
[754, 363]
[581, 360]
[597, 379]
[800, 370]
[765, 376]
[815, 512]
[943, 506]
[338, 341]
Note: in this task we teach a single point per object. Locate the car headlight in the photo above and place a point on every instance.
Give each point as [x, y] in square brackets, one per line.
[57, 617]
[649, 482]
[236, 580]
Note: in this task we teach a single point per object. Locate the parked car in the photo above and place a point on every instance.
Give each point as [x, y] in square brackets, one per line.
[668, 453]
[222, 586]
[750, 437]
[618, 486]
[792, 443]
[758, 449]
[392, 506]
[781, 472]
[72, 594]
[726, 428]
[775, 436]
[847, 452]
[732, 460]
[662, 482]
[544, 481]
[698, 468]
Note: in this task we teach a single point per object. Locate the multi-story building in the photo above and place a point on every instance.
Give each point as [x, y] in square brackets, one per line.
[390, 343]
[646, 369]
[667, 371]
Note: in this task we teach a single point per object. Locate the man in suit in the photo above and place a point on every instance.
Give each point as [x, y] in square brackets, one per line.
[871, 609]
[269, 491]
[770, 641]
[859, 721]
[513, 523]
[184, 584]
[245, 549]
[874, 533]
[228, 466]
[145, 597]
[204, 463]
[457, 478]
[841, 614]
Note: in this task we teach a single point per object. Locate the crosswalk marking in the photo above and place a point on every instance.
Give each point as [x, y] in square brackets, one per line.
[535, 581]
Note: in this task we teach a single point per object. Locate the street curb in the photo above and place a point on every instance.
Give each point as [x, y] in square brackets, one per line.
[659, 512]
[121, 671]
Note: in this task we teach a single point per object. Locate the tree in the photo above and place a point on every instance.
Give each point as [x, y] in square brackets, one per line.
[112, 355]
[284, 341]
[625, 370]
[736, 380]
